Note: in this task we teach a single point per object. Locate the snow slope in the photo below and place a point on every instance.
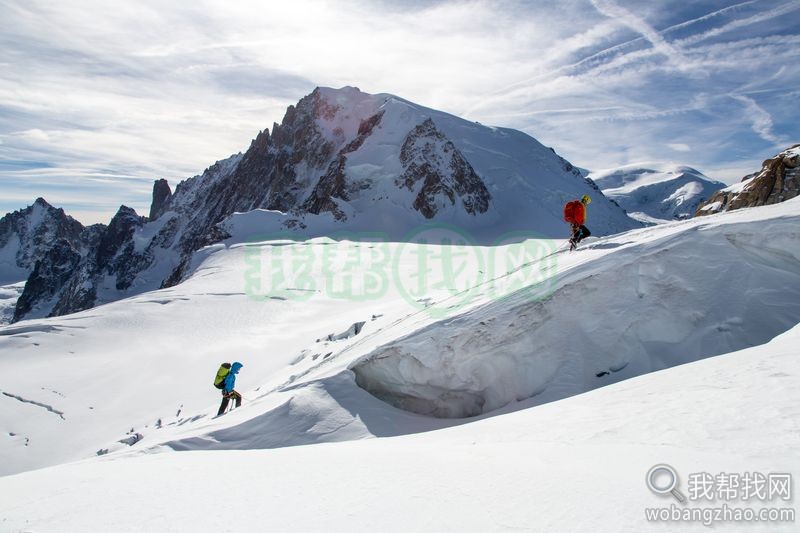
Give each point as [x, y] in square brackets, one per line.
[574, 465]
[653, 195]
[650, 305]
[10, 272]
[8, 299]
[138, 372]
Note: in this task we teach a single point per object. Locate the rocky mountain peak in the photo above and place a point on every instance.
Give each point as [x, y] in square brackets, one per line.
[334, 184]
[161, 197]
[28, 233]
[318, 105]
[118, 233]
[778, 181]
[52, 271]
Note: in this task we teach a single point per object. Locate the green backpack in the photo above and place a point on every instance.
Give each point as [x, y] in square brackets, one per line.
[222, 373]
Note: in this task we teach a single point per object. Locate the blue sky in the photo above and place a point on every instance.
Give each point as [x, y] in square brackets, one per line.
[98, 98]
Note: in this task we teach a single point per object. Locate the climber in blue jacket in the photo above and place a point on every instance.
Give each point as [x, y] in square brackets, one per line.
[228, 393]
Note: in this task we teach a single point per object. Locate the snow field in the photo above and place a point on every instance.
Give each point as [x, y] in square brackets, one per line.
[577, 465]
[143, 366]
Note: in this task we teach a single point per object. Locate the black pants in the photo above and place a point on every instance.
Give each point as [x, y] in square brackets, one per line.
[579, 233]
[233, 395]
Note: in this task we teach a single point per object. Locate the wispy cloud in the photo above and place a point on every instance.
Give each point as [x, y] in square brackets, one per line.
[680, 147]
[784, 9]
[615, 11]
[761, 120]
[99, 97]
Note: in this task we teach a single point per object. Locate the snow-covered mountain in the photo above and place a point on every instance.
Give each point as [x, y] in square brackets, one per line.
[26, 236]
[777, 181]
[656, 193]
[341, 160]
[326, 362]
[9, 294]
[101, 265]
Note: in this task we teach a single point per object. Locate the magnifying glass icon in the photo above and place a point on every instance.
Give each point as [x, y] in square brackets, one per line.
[662, 479]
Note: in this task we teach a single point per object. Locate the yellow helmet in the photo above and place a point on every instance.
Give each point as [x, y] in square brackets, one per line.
[585, 199]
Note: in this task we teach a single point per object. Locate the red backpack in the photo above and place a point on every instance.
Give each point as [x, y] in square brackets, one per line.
[574, 212]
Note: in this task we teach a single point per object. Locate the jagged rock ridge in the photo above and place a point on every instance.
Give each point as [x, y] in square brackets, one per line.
[778, 181]
[66, 278]
[26, 236]
[429, 157]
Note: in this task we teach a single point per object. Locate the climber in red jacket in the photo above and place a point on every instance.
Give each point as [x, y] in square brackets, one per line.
[575, 216]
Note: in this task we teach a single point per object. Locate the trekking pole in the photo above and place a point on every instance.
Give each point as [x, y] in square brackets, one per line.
[233, 400]
[230, 404]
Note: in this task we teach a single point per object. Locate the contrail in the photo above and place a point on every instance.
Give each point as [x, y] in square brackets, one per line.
[617, 47]
[638, 24]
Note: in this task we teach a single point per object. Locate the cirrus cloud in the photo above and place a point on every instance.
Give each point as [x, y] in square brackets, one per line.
[97, 98]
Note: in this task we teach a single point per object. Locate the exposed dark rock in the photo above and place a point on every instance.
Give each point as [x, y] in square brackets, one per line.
[66, 277]
[117, 235]
[162, 194]
[265, 176]
[334, 183]
[80, 291]
[37, 228]
[176, 276]
[117, 253]
[429, 157]
[778, 181]
[51, 272]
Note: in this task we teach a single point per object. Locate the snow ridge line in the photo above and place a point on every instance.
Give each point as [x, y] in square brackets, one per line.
[38, 404]
[292, 382]
[400, 320]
